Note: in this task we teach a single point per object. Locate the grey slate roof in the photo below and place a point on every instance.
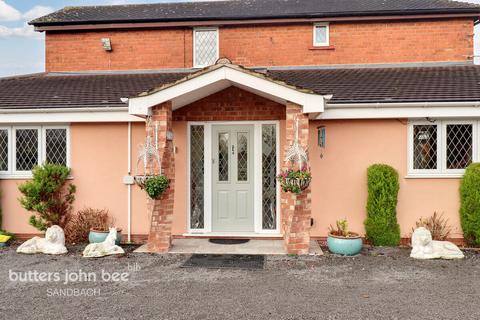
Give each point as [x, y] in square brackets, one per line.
[347, 85]
[249, 9]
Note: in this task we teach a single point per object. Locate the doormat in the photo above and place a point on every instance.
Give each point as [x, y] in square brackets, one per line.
[225, 261]
[228, 241]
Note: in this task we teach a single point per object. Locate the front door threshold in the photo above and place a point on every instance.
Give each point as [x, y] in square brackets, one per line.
[233, 235]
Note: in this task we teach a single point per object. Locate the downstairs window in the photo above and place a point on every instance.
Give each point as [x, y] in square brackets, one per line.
[23, 147]
[442, 148]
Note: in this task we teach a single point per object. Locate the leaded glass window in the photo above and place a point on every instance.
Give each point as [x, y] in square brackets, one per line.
[269, 181]
[3, 150]
[425, 147]
[197, 172]
[56, 146]
[26, 153]
[205, 47]
[459, 145]
[242, 156]
[223, 142]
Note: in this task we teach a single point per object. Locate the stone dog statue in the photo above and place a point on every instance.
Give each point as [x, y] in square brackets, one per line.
[423, 247]
[53, 243]
[105, 248]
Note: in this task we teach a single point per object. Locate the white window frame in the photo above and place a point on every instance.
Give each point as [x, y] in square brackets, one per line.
[327, 30]
[9, 143]
[12, 172]
[195, 30]
[441, 171]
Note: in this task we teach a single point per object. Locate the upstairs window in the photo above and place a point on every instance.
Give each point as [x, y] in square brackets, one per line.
[442, 148]
[321, 35]
[205, 47]
[24, 147]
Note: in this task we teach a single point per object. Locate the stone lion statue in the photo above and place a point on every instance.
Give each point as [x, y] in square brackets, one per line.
[423, 247]
[105, 248]
[53, 243]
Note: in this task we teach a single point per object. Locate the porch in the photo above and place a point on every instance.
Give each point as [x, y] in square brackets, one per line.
[236, 126]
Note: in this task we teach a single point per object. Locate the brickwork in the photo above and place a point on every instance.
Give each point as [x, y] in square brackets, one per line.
[296, 208]
[231, 104]
[159, 239]
[260, 45]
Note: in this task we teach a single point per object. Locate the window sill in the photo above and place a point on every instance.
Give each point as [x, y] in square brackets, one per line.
[322, 48]
[434, 176]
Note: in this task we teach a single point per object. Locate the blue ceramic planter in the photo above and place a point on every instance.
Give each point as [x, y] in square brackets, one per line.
[344, 246]
[99, 236]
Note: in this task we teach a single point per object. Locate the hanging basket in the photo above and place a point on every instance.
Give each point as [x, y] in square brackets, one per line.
[294, 181]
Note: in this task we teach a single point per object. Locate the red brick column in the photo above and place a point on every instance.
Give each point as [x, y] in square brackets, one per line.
[296, 209]
[159, 238]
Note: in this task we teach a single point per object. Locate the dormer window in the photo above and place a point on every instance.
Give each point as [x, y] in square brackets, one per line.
[321, 36]
[205, 47]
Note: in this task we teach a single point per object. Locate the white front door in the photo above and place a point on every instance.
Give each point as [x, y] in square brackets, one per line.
[232, 178]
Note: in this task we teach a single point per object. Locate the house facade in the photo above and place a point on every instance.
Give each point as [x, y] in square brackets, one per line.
[222, 90]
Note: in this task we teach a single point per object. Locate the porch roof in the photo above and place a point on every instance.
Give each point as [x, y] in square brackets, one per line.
[220, 76]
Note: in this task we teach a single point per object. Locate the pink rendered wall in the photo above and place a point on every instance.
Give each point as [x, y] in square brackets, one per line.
[339, 185]
[99, 161]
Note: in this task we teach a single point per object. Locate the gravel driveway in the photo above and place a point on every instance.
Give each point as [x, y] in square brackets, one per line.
[379, 284]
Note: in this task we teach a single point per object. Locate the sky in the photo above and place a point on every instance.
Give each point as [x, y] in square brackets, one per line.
[22, 49]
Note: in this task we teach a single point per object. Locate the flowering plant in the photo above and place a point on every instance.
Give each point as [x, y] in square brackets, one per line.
[294, 180]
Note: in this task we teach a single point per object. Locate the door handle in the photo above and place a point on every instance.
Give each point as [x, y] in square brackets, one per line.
[233, 149]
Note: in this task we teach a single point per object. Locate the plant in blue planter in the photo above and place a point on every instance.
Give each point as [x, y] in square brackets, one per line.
[341, 241]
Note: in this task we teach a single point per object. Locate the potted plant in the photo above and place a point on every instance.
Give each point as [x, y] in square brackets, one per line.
[100, 228]
[294, 181]
[341, 241]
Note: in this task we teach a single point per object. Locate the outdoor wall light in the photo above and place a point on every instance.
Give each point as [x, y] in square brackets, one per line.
[322, 138]
[107, 44]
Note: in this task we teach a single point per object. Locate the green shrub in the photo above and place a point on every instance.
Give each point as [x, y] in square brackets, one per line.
[381, 224]
[155, 186]
[48, 195]
[470, 204]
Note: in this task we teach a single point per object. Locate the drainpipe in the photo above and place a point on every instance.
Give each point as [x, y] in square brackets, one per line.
[129, 186]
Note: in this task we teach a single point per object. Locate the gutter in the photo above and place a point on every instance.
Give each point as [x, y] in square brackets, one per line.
[64, 110]
[382, 105]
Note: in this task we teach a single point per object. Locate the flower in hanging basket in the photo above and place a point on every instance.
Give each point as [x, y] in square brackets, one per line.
[294, 180]
[155, 186]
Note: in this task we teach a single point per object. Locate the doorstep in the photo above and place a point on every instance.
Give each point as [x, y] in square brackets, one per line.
[254, 247]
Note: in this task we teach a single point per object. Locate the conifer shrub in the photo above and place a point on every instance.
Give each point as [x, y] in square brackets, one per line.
[48, 195]
[381, 224]
[470, 205]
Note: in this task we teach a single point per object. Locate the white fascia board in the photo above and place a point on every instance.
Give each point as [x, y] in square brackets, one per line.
[412, 110]
[67, 115]
[310, 102]
[140, 105]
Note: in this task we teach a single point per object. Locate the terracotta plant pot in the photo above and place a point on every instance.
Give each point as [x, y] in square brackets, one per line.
[347, 246]
[97, 236]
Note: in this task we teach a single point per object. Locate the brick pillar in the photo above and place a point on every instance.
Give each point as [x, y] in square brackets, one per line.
[296, 209]
[159, 238]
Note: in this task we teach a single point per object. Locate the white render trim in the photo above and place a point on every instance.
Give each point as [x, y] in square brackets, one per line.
[257, 177]
[218, 79]
[195, 30]
[63, 115]
[327, 30]
[401, 110]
